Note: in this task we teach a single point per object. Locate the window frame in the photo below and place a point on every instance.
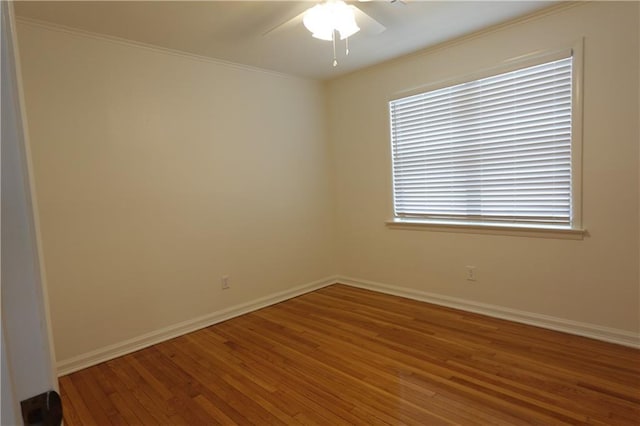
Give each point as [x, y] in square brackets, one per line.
[575, 230]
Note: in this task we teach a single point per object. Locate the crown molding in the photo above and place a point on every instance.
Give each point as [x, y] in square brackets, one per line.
[153, 48]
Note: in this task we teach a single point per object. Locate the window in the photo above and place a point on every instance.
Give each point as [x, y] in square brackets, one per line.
[492, 151]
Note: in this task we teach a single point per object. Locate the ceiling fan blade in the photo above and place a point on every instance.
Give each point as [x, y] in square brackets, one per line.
[296, 20]
[367, 24]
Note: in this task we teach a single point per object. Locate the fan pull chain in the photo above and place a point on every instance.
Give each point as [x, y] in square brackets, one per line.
[347, 44]
[333, 39]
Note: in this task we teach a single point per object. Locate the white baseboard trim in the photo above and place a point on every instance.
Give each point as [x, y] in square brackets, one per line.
[621, 337]
[107, 353]
[88, 359]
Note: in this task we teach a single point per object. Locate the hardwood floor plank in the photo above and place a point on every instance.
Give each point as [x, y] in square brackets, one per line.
[129, 416]
[333, 375]
[182, 391]
[71, 415]
[241, 404]
[358, 357]
[96, 386]
[161, 411]
[343, 355]
[93, 397]
[244, 383]
[533, 392]
[217, 415]
[297, 387]
[124, 399]
[418, 393]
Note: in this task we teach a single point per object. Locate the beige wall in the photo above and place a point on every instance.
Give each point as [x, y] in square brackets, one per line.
[593, 281]
[157, 173]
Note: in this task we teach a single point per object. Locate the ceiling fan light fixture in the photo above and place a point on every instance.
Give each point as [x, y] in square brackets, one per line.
[348, 30]
[315, 19]
[345, 22]
[325, 35]
[325, 18]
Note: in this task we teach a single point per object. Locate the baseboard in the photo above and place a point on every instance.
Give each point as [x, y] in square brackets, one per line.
[621, 337]
[107, 353]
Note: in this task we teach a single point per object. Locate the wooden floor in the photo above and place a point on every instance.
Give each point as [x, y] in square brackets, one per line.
[342, 355]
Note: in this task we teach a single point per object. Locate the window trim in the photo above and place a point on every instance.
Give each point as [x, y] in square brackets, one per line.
[575, 230]
[488, 228]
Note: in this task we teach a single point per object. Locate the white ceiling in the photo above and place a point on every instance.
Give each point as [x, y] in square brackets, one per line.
[235, 30]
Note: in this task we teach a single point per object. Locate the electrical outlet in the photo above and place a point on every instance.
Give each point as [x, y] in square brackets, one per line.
[471, 273]
[224, 281]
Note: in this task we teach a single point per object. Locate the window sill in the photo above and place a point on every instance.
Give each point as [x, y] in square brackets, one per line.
[490, 229]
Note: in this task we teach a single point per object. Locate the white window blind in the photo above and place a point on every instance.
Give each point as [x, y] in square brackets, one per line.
[494, 150]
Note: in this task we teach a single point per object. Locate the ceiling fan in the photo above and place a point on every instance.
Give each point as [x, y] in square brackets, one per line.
[335, 19]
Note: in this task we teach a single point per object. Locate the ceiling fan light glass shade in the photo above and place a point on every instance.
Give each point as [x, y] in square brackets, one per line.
[317, 20]
[326, 35]
[348, 29]
[325, 18]
[344, 20]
